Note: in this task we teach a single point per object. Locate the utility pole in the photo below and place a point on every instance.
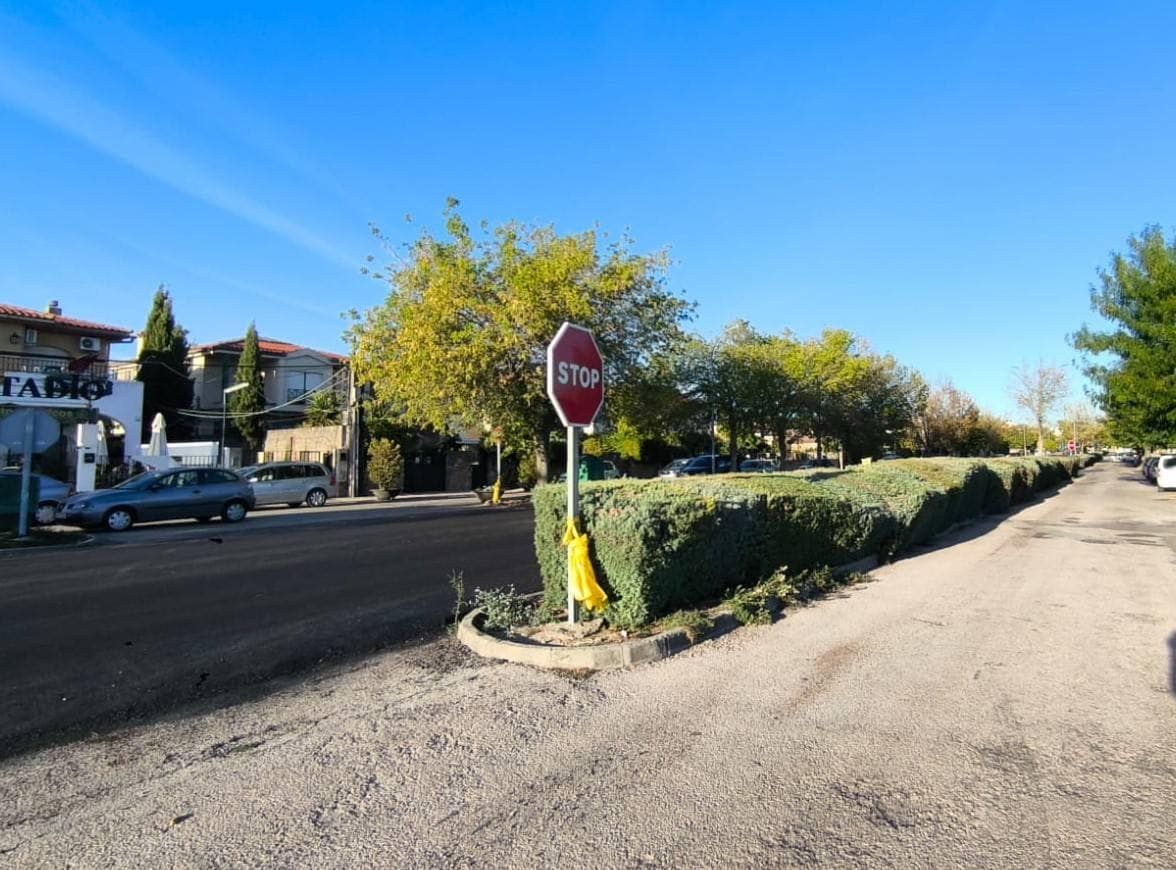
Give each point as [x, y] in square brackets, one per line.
[354, 416]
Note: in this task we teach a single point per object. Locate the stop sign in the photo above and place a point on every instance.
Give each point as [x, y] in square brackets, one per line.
[575, 375]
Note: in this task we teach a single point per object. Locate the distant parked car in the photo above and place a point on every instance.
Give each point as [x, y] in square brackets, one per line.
[1148, 469]
[175, 494]
[611, 472]
[761, 466]
[823, 462]
[887, 456]
[51, 494]
[705, 465]
[673, 468]
[1166, 473]
[290, 483]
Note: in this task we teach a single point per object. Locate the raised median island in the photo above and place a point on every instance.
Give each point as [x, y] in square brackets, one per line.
[660, 546]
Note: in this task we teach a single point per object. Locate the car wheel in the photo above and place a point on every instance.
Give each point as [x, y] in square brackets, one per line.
[234, 511]
[118, 520]
[46, 513]
[204, 519]
[316, 498]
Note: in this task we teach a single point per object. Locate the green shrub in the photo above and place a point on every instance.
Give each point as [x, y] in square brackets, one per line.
[527, 473]
[695, 622]
[918, 507]
[665, 545]
[385, 464]
[1009, 483]
[504, 608]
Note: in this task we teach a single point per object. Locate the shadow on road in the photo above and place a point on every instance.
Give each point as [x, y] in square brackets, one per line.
[977, 527]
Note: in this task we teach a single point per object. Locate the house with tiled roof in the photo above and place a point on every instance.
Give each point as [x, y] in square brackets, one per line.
[47, 341]
[289, 373]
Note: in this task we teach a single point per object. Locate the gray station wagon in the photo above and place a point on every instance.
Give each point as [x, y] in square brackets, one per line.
[290, 483]
[171, 494]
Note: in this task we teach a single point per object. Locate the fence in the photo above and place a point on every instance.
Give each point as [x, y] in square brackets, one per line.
[196, 461]
[46, 364]
[327, 458]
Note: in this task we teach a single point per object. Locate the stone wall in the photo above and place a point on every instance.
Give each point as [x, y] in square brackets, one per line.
[321, 439]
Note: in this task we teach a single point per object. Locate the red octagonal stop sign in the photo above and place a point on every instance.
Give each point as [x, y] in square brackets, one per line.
[575, 375]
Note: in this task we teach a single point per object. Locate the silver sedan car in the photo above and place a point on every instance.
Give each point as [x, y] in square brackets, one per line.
[172, 494]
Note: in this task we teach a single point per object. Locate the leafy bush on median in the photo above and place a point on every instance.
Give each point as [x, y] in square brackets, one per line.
[664, 545]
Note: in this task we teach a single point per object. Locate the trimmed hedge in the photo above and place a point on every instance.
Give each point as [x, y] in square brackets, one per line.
[662, 545]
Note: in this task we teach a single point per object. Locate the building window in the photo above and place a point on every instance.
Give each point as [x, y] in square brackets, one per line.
[299, 384]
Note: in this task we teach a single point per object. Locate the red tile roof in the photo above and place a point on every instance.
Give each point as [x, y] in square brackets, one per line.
[31, 315]
[265, 345]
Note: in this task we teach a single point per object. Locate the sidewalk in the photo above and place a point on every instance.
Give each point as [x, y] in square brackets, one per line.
[420, 499]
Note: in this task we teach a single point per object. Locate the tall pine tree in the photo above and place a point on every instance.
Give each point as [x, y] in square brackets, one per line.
[163, 368]
[249, 401]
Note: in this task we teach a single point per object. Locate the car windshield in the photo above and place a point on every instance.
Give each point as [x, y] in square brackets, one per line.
[138, 481]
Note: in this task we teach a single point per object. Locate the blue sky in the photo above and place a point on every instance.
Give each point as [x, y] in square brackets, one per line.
[942, 179]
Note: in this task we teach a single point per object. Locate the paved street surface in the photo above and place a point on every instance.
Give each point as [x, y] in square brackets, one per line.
[174, 612]
[1006, 702]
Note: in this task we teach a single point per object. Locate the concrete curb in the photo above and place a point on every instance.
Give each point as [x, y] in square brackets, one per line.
[610, 656]
[87, 541]
[604, 657]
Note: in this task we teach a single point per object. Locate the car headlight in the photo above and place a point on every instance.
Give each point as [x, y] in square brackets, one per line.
[81, 505]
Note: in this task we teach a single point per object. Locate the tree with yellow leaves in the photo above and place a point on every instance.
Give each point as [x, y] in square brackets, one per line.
[460, 341]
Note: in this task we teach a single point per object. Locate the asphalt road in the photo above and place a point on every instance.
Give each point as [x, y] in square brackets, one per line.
[167, 614]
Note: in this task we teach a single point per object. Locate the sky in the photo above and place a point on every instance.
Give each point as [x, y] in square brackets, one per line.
[944, 180]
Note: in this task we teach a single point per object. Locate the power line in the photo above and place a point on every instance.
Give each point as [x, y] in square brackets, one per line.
[238, 415]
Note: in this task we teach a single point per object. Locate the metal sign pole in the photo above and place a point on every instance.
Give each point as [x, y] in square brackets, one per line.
[26, 475]
[573, 478]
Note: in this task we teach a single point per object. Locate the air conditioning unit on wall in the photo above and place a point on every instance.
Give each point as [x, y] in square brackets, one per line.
[88, 343]
[30, 335]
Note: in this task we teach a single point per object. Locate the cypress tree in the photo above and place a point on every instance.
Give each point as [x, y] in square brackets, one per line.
[163, 368]
[249, 401]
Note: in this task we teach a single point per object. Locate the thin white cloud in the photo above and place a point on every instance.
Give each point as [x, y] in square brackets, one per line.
[55, 103]
[158, 70]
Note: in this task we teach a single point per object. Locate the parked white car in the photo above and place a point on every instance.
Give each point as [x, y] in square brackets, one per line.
[290, 483]
[1166, 473]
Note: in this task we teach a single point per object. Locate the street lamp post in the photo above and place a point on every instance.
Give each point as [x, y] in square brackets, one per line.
[224, 417]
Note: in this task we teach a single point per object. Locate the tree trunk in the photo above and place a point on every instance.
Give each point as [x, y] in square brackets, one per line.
[734, 445]
[782, 445]
[542, 450]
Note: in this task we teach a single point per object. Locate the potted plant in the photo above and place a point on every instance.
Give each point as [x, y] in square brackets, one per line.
[385, 468]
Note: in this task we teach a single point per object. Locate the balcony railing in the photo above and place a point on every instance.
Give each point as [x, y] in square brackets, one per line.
[44, 364]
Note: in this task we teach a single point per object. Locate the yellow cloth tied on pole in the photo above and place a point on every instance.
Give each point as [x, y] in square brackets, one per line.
[581, 575]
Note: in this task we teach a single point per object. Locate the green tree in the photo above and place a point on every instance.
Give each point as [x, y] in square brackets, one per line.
[163, 367]
[460, 340]
[1133, 363]
[322, 409]
[947, 422]
[246, 405]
